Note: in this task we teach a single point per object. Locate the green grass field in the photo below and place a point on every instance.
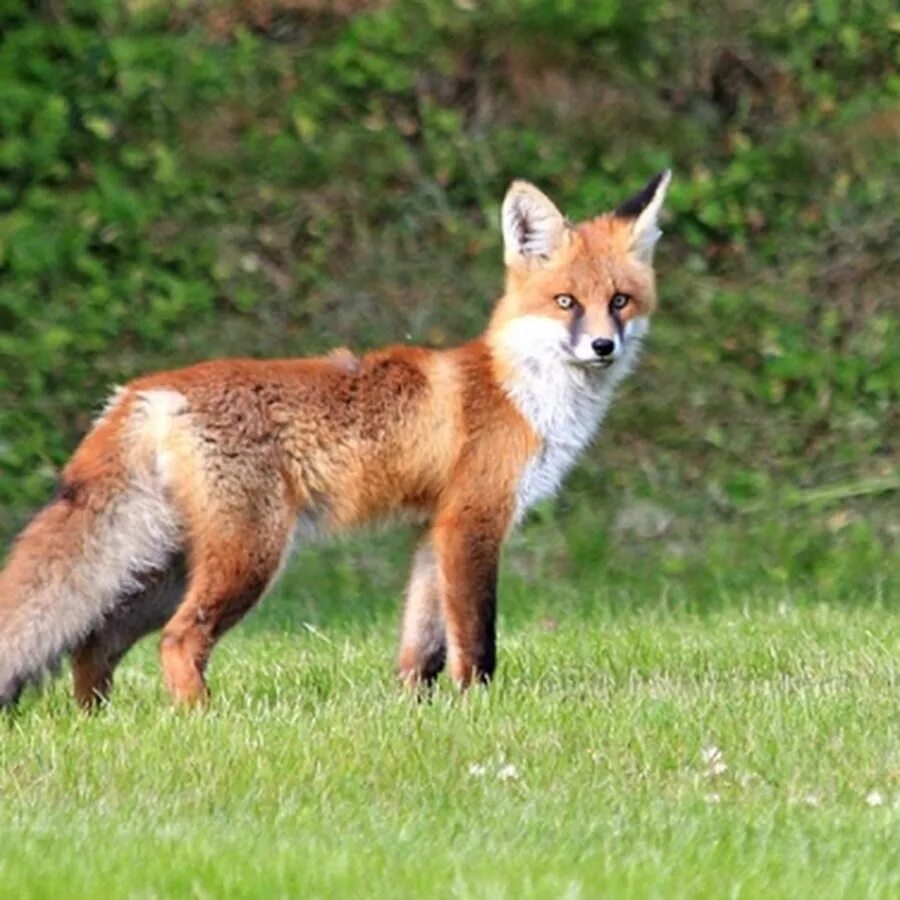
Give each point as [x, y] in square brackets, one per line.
[716, 718]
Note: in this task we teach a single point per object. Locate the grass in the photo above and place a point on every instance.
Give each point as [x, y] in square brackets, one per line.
[709, 732]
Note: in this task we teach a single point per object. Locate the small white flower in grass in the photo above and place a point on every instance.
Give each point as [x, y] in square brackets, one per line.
[477, 770]
[811, 799]
[714, 761]
[713, 798]
[508, 772]
[875, 798]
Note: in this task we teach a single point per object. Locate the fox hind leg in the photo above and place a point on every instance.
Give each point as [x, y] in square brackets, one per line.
[92, 671]
[139, 613]
[228, 576]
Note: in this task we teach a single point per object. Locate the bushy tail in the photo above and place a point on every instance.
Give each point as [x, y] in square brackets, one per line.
[69, 568]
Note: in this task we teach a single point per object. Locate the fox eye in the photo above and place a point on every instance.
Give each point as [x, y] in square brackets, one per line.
[565, 301]
[619, 301]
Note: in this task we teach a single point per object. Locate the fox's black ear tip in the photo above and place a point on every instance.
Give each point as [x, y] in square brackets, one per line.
[661, 178]
[635, 205]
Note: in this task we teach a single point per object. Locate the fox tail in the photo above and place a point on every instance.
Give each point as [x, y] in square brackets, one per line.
[70, 568]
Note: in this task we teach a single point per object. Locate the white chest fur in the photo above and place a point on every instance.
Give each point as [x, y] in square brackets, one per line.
[565, 404]
[565, 408]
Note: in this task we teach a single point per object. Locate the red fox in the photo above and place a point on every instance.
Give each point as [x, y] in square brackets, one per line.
[179, 508]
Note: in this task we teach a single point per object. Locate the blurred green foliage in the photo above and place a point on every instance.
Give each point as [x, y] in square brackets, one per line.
[192, 180]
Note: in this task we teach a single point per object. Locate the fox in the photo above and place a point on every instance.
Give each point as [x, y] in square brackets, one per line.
[181, 505]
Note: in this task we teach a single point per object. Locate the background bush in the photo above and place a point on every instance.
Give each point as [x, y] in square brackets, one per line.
[273, 178]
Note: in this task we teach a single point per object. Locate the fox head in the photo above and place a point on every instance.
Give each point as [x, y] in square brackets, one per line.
[580, 294]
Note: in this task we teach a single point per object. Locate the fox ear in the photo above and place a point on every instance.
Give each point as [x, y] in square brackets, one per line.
[533, 228]
[643, 208]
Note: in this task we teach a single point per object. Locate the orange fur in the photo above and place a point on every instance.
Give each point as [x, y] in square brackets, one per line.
[245, 454]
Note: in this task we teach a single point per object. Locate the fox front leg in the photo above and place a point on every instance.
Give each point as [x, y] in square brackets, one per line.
[467, 548]
[423, 642]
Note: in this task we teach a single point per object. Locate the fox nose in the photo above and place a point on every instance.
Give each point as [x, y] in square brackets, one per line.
[603, 346]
